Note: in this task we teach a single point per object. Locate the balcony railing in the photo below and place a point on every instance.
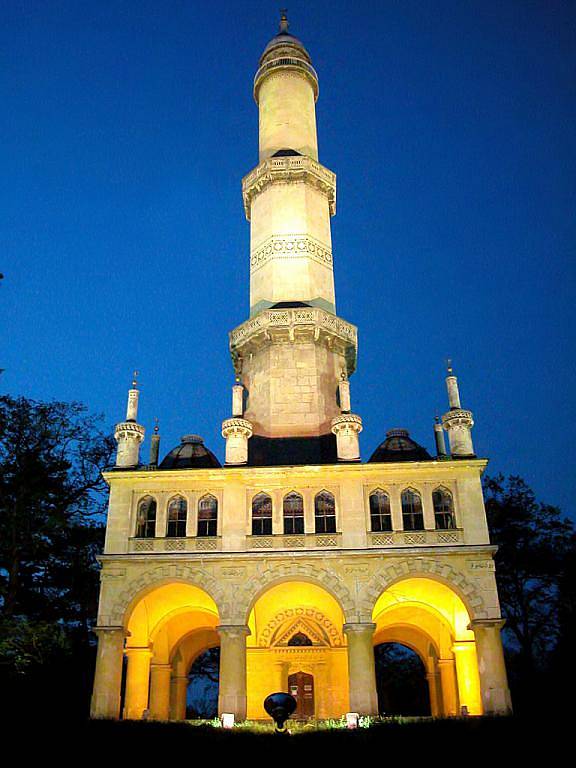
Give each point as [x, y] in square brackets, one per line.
[415, 538]
[188, 544]
[295, 541]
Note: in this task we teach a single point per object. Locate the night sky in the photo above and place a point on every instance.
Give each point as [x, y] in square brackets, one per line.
[126, 128]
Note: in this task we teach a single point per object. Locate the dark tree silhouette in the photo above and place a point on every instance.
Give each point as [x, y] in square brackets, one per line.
[535, 548]
[52, 497]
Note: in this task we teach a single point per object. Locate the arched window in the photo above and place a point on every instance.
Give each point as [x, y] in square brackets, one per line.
[261, 515]
[380, 516]
[412, 515]
[293, 509]
[177, 514]
[324, 513]
[443, 509]
[146, 518]
[208, 516]
[299, 639]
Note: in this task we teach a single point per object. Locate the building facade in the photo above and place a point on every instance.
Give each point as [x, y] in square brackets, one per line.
[295, 557]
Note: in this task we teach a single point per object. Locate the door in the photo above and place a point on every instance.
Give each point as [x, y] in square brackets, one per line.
[301, 686]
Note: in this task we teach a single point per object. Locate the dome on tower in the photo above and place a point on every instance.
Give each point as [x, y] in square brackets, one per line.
[190, 454]
[399, 446]
[283, 39]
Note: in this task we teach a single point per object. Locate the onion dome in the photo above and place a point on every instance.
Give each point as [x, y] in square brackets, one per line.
[399, 446]
[285, 51]
[190, 454]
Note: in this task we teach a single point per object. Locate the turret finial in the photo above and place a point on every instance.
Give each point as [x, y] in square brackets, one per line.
[135, 379]
[156, 425]
[449, 366]
[283, 20]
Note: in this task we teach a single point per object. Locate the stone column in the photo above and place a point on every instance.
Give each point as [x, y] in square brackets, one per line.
[432, 679]
[232, 684]
[108, 674]
[467, 676]
[178, 696]
[450, 705]
[137, 682]
[160, 691]
[491, 667]
[361, 668]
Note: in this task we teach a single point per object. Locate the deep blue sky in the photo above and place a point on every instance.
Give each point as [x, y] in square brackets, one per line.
[126, 127]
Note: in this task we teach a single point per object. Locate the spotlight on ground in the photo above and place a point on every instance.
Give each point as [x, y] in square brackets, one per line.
[280, 706]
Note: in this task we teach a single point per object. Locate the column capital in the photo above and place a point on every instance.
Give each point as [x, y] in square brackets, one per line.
[486, 624]
[359, 627]
[138, 651]
[162, 666]
[232, 630]
[109, 629]
[445, 662]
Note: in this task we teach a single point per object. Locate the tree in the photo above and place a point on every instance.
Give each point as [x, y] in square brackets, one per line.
[52, 496]
[534, 546]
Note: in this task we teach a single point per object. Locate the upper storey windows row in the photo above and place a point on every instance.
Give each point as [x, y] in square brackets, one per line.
[291, 518]
[412, 510]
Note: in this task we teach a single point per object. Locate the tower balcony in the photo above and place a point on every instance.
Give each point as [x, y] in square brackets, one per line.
[297, 168]
[301, 324]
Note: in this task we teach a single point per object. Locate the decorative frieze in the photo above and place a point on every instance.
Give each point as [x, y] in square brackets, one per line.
[415, 538]
[290, 247]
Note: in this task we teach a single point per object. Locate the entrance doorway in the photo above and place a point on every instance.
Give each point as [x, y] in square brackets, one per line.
[301, 686]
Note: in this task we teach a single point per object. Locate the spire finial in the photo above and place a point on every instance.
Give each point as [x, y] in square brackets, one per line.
[449, 366]
[156, 425]
[135, 380]
[283, 20]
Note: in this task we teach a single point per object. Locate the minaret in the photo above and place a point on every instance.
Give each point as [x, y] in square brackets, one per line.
[155, 445]
[237, 430]
[290, 353]
[457, 422]
[439, 439]
[128, 434]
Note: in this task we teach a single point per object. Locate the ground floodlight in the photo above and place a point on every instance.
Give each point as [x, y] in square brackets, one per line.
[280, 706]
[227, 720]
[352, 719]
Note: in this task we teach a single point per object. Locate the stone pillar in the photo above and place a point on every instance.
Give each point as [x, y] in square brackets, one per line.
[232, 684]
[361, 668]
[433, 687]
[347, 427]
[178, 696]
[467, 676]
[108, 673]
[160, 691]
[491, 667]
[450, 704]
[137, 682]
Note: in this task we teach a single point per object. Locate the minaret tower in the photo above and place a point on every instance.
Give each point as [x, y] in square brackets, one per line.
[457, 422]
[129, 434]
[294, 350]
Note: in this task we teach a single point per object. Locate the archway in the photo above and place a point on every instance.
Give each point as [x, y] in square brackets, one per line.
[430, 618]
[401, 681]
[168, 626]
[296, 640]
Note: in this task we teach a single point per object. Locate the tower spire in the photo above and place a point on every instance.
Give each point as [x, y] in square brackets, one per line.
[284, 21]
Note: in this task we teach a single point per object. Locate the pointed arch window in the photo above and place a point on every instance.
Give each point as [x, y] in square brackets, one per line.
[146, 518]
[325, 513]
[412, 514]
[177, 516]
[293, 511]
[380, 515]
[207, 516]
[262, 515]
[443, 509]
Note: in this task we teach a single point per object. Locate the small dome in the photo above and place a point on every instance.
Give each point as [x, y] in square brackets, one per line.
[190, 454]
[285, 39]
[399, 446]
